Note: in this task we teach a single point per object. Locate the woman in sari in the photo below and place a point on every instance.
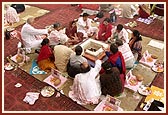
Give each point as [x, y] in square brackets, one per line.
[135, 45]
[71, 32]
[116, 59]
[45, 59]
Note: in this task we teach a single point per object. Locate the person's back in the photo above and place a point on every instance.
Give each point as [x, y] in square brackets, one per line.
[62, 54]
[86, 86]
[110, 82]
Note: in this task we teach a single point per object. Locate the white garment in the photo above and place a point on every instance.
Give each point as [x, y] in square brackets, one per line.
[29, 33]
[31, 97]
[11, 15]
[58, 37]
[86, 87]
[81, 24]
[76, 60]
[127, 54]
[123, 35]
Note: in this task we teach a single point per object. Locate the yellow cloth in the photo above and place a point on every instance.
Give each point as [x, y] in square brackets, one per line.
[157, 94]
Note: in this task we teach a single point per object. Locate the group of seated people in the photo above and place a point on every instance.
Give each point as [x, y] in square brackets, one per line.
[89, 83]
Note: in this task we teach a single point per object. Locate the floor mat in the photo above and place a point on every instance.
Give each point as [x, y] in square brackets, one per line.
[30, 11]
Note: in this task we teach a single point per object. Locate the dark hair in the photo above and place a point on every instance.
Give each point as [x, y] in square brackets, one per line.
[119, 27]
[115, 71]
[107, 20]
[85, 15]
[113, 48]
[45, 41]
[107, 66]
[78, 50]
[56, 25]
[137, 35]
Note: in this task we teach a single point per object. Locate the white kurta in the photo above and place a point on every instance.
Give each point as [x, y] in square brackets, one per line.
[123, 35]
[81, 24]
[29, 33]
[76, 60]
[86, 87]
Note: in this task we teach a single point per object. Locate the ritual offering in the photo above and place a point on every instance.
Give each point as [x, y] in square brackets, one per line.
[139, 77]
[158, 67]
[47, 91]
[144, 90]
[55, 80]
[19, 58]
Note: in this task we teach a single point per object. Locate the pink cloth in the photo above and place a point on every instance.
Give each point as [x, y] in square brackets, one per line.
[11, 15]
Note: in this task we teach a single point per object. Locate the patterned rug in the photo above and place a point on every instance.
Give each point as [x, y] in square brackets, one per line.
[63, 14]
[13, 96]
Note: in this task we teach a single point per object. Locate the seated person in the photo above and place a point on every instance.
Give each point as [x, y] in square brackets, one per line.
[128, 10]
[110, 81]
[84, 25]
[144, 10]
[135, 45]
[75, 62]
[86, 86]
[116, 58]
[11, 15]
[72, 33]
[31, 36]
[120, 33]
[105, 30]
[58, 35]
[62, 55]
[126, 52]
[19, 7]
[45, 59]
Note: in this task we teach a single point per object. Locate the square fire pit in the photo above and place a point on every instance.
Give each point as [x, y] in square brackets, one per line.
[93, 49]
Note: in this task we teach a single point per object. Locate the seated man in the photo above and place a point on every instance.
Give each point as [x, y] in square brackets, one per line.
[84, 25]
[31, 36]
[86, 86]
[75, 62]
[119, 32]
[62, 55]
[104, 30]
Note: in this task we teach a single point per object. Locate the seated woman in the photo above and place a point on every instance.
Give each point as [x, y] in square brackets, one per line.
[110, 81]
[76, 59]
[86, 86]
[72, 33]
[135, 45]
[116, 59]
[45, 59]
[104, 30]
